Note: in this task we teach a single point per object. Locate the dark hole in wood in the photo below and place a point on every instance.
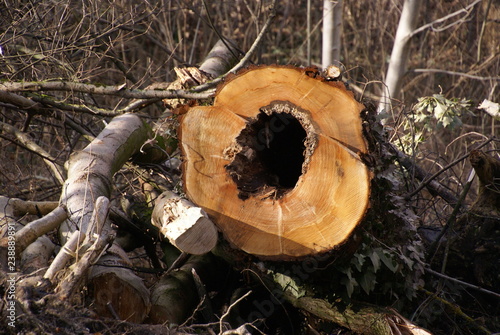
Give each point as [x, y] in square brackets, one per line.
[271, 155]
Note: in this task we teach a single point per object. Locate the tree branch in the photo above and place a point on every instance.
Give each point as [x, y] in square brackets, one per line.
[58, 171]
[444, 18]
[115, 90]
[247, 56]
[428, 180]
[453, 73]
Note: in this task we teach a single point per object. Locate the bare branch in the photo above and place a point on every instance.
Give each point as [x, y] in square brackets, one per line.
[458, 160]
[115, 90]
[231, 307]
[453, 73]
[57, 170]
[467, 10]
[37, 228]
[245, 59]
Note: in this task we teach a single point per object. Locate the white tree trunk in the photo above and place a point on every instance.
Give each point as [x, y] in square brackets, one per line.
[399, 55]
[332, 31]
[90, 176]
[91, 170]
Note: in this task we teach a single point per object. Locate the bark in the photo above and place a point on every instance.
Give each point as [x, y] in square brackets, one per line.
[433, 186]
[400, 52]
[368, 320]
[21, 207]
[90, 171]
[116, 90]
[174, 296]
[187, 227]
[358, 317]
[16, 237]
[332, 32]
[265, 163]
[78, 274]
[37, 228]
[37, 255]
[62, 258]
[90, 175]
[221, 58]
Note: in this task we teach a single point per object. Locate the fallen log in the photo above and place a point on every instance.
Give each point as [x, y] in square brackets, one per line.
[277, 161]
[187, 227]
[90, 173]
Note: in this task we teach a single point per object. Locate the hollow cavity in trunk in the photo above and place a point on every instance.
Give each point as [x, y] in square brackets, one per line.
[272, 151]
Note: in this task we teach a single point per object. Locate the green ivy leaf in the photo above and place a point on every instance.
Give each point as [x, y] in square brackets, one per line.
[446, 121]
[358, 260]
[349, 283]
[387, 260]
[368, 281]
[375, 260]
[288, 284]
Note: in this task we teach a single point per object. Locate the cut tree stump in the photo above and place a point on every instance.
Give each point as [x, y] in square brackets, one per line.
[276, 161]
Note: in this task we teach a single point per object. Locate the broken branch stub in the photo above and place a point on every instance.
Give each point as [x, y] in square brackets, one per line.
[185, 225]
[276, 161]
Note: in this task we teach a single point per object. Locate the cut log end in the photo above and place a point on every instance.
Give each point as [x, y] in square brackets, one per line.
[276, 162]
[186, 226]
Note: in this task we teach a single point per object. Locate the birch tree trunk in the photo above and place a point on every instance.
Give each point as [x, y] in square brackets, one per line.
[332, 31]
[399, 55]
[90, 174]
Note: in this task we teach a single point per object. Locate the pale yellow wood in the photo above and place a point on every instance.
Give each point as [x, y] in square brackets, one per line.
[328, 200]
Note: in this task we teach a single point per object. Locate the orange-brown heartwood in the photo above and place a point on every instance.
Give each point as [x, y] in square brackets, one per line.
[276, 161]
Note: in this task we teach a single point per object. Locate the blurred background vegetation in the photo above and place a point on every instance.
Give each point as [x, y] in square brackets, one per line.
[138, 43]
[454, 65]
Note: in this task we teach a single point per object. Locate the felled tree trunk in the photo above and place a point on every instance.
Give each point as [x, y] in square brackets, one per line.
[276, 161]
[90, 175]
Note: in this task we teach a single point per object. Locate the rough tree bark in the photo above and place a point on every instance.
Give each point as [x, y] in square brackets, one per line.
[186, 226]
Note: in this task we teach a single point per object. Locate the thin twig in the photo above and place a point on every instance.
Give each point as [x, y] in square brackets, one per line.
[217, 32]
[453, 73]
[444, 18]
[308, 32]
[433, 186]
[458, 281]
[458, 311]
[24, 140]
[481, 33]
[458, 160]
[247, 56]
[179, 261]
[450, 222]
[230, 307]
